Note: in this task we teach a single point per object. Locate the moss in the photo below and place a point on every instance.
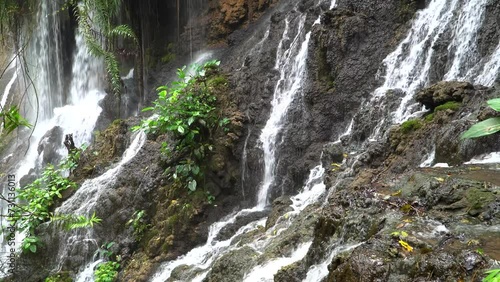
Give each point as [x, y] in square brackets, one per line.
[451, 105]
[429, 117]
[410, 126]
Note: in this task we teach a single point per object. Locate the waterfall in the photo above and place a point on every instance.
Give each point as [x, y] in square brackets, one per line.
[291, 64]
[44, 60]
[44, 78]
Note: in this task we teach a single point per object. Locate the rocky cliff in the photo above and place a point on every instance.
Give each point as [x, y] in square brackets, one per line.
[385, 214]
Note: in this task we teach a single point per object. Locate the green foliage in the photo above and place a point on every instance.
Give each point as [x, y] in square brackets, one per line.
[493, 275]
[30, 244]
[71, 221]
[451, 105]
[138, 223]
[410, 126]
[59, 277]
[107, 272]
[37, 198]
[95, 19]
[485, 127]
[186, 109]
[105, 250]
[12, 119]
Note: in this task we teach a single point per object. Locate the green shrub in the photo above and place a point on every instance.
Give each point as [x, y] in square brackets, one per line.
[36, 199]
[107, 272]
[138, 223]
[451, 105]
[59, 277]
[187, 110]
[410, 125]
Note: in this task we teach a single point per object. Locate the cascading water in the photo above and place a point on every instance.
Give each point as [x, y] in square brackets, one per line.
[44, 79]
[291, 64]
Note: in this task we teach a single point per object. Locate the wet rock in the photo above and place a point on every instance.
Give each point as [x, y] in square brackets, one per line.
[232, 266]
[49, 144]
[332, 153]
[444, 91]
[281, 205]
[228, 231]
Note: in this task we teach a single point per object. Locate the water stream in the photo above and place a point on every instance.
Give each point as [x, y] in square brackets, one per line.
[75, 112]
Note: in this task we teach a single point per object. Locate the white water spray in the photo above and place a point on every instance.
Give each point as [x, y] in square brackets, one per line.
[291, 65]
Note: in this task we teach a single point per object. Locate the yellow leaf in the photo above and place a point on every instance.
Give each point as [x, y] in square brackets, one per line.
[407, 220]
[336, 164]
[397, 193]
[440, 179]
[345, 155]
[395, 234]
[406, 246]
[404, 234]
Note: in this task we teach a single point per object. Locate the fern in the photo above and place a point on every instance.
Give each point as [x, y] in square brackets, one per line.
[70, 221]
[95, 19]
[124, 31]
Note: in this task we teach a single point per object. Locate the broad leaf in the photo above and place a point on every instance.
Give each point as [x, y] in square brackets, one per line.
[192, 185]
[483, 128]
[494, 104]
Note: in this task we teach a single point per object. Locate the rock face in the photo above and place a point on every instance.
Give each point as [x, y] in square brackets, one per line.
[444, 91]
[383, 219]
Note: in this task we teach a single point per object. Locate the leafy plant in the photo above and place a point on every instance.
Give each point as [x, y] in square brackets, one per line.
[493, 275]
[95, 19]
[30, 244]
[107, 272]
[186, 109]
[37, 198]
[12, 119]
[105, 250]
[71, 221]
[139, 224]
[485, 127]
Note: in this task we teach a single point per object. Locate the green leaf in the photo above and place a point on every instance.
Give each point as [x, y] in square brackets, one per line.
[147, 109]
[195, 169]
[192, 185]
[190, 120]
[33, 248]
[494, 104]
[180, 129]
[482, 128]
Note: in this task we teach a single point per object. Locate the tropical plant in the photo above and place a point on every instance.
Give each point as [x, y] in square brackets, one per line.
[186, 109]
[30, 244]
[138, 223]
[35, 200]
[485, 127]
[493, 275]
[95, 19]
[107, 271]
[12, 119]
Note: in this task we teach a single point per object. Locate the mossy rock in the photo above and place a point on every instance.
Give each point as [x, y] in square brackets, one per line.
[59, 277]
[410, 126]
[451, 105]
